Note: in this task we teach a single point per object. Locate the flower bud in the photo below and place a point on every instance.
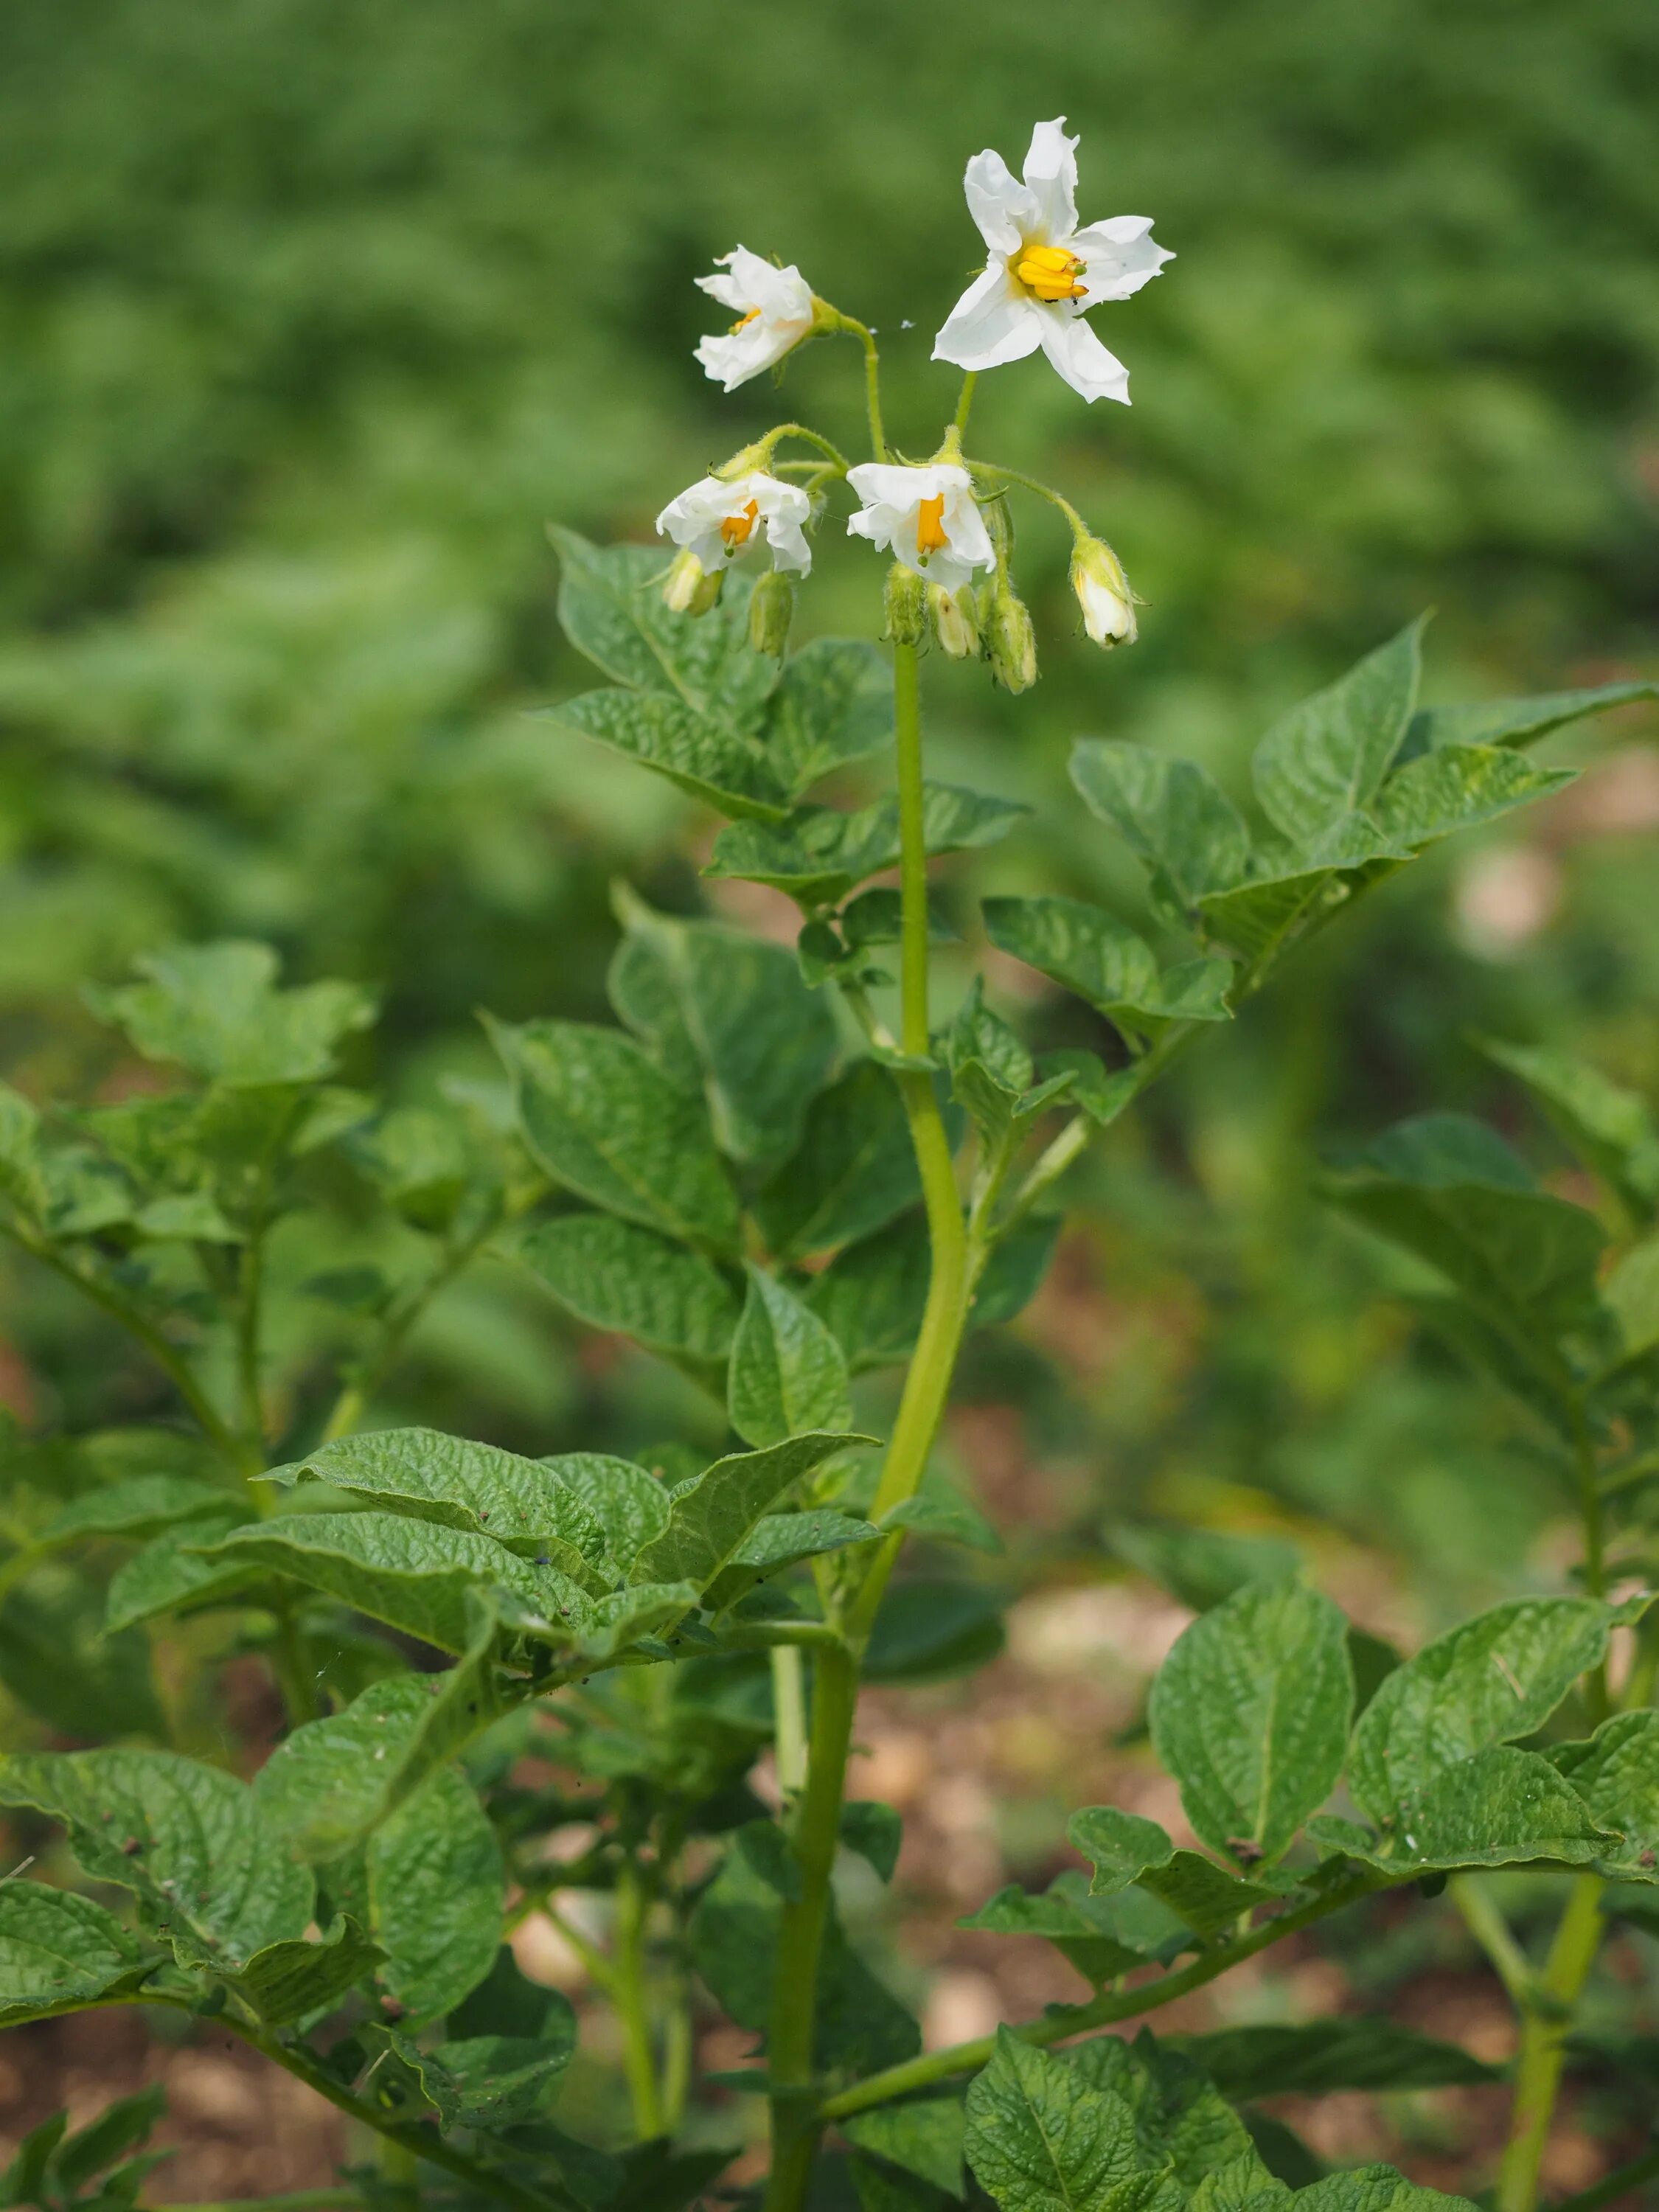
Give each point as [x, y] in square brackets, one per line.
[955, 625]
[688, 588]
[1103, 592]
[1010, 640]
[771, 611]
[906, 605]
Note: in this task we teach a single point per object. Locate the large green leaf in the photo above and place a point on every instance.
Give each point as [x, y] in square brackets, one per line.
[189, 1840]
[629, 1503]
[1501, 1807]
[788, 1374]
[708, 759]
[1516, 722]
[217, 1009]
[782, 1539]
[1374, 2189]
[170, 1575]
[1175, 818]
[1326, 759]
[923, 2137]
[833, 702]
[1494, 1679]
[854, 1169]
[1090, 952]
[733, 1009]
[413, 1575]
[614, 1275]
[604, 1120]
[822, 854]
[1369, 2051]
[1432, 797]
[457, 1484]
[1250, 1713]
[287, 1980]
[434, 1887]
[1181, 2122]
[60, 1952]
[136, 1508]
[612, 609]
[1087, 1931]
[710, 1515]
[1609, 1128]
[1616, 1773]
[1125, 1851]
[1042, 2138]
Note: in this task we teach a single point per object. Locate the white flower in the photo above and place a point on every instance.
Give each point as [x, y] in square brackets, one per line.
[775, 311]
[716, 520]
[1103, 592]
[926, 517]
[1044, 274]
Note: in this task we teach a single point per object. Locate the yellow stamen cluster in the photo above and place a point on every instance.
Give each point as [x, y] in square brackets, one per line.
[742, 322]
[737, 529]
[1049, 272]
[930, 527]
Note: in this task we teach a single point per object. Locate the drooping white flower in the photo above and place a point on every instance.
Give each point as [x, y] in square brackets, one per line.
[715, 520]
[1044, 274]
[774, 313]
[1103, 592]
[926, 517]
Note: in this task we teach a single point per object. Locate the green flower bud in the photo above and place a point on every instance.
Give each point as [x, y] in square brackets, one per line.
[1010, 640]
[956, 623]
[906, 605]
[771, 611]
[688, 588]
[1103, 592]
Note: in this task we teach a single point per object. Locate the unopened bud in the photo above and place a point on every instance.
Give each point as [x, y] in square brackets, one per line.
[906, 605]
[688, 588]
[955, 625]
[771, 611]
[1010, 641]
[1103, 592]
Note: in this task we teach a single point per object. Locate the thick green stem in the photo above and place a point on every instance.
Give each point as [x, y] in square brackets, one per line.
[634, 2002]
[789, 1711]
[1060, 2022]
[1545, 2026]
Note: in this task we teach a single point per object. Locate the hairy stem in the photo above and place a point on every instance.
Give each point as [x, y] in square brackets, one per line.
[1546, 2023]
[789, 1706]
[867, 338]
[632, 2002]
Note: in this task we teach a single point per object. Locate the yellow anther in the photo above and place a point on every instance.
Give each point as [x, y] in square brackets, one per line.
[737, 529]
[930, 526]
[1049, 272]
[742, 322]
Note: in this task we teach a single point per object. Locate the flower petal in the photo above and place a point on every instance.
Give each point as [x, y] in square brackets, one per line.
[1118, 256]
[992, 323]
[1051, 178]
[1002, 207]
[1081, 359]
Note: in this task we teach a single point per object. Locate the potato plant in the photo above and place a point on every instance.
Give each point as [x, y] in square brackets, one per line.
[510, 1681]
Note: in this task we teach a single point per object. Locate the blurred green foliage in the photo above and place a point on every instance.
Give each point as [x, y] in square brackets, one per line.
[313, 311]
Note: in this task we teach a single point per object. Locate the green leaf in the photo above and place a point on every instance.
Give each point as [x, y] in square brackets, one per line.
[1250, 1714]
[1259, 917]
[833, 702]
[614, 1275]
[1119, 1846]
[410, 1574]
[1616, 1773]
[855, 1168]
[20, 1151]
[712, 1514]
[287, 1981]
[58, 1660]
[875, 1831]
[1515, 721]
[171, 1576]
[731, 1011]
[874, 1293]
[1088, 951]
[1367, 2052]
[823, 855]
[602, 1119]
[1040, 2138]
[1175, 818]
[141, 1507]
[1449, 1191]
[503, 2081]
[217, 1009]
[610, 608]
[1630, 1294]
[924, 2137]
[434, 1886]
[1326, 759]
[788, 1374]
[1432, 797]
[1199, 1567]
[1498, 1676]
[939, 1511]
[1501, 1807]
[629, 1503]
[708, 759]
[1127, 1851]
[1609, 1128]
[452, 1483]
[1085, 1929]
[1375, 2189]
[189, 1840]
[1181, 2121]
[929, 1630]
[331, 1781]
[102, 2147]
[783, 1539]
[60, 1952]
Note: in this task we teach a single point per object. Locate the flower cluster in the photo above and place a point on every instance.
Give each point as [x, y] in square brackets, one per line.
[944, 520]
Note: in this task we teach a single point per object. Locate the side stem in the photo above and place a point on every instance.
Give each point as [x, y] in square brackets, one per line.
[633, 2003]
[1544, 2029]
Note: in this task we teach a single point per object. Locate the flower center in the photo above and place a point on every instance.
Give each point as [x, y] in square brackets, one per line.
[737, 529]
[1049, 272]
[930, 526]
[742, 322]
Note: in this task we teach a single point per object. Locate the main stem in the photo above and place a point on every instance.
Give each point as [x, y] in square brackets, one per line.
[1546, 2025]
[790, 2055]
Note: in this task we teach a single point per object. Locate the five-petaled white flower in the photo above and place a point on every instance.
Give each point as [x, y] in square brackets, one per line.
[774, 313]
[1044, 274]
[926, 517]
[716, 520]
